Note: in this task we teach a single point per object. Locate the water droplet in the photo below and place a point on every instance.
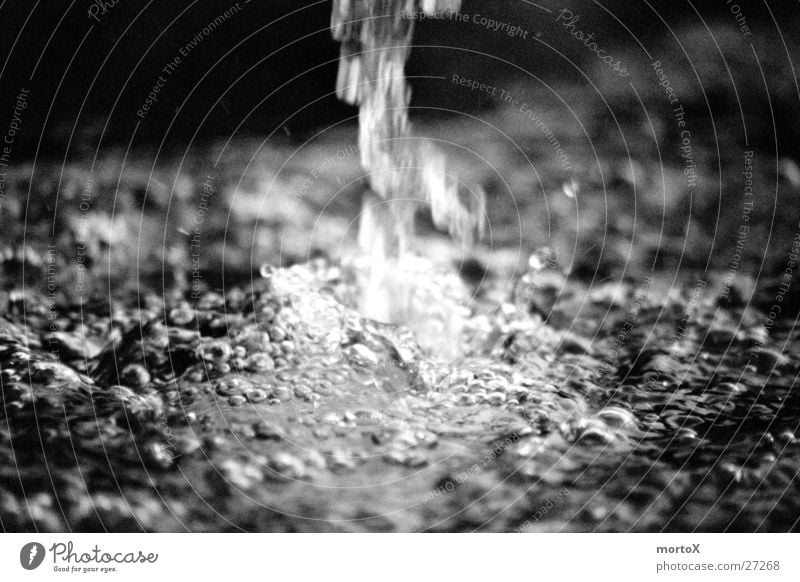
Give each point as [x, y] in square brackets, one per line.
[570, 189]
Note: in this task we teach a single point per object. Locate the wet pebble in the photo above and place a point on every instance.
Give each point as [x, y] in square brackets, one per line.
[466, 400]
[187, 444]
[767, 360]
[253, 341]
[594, 435]
[256, 395]
[617, 417]
[302, 391]
[259, 363]
[768, 458]
[573, 344]
[71, 345]
[678, 421]
[410, 459]
[367, 417]
[182, 315]
[732, 469]
[135, 376]
[277, 334]
[265, 431]
[237, 400]
[731, 387]
[281, 393]
[721, 337]
[323, 387]
[159, 454]
[686, 435]
[361, 355]
[123, 393]
[322, 433]
[196, 375]
[287, 465]
[53, 374]
[340, 461]
[216, 351]
[240, 474]
[496, 399]
[214, 442]
[232, 387]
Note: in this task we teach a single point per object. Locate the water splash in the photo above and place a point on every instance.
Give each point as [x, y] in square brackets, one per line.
[405, 171]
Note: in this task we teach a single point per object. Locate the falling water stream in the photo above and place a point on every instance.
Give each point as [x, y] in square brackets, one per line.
[405, 171]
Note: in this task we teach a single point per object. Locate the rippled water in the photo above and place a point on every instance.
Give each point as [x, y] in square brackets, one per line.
[557, 399]
[278, 407]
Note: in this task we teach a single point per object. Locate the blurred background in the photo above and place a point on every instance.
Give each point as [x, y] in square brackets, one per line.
[90, 67]
[250, 100]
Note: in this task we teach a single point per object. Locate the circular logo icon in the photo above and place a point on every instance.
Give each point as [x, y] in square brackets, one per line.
[31, 555]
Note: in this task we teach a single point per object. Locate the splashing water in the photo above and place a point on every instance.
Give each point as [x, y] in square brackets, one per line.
[405, 171]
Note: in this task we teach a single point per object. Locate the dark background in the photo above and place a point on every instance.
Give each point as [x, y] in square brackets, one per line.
[273, 64]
